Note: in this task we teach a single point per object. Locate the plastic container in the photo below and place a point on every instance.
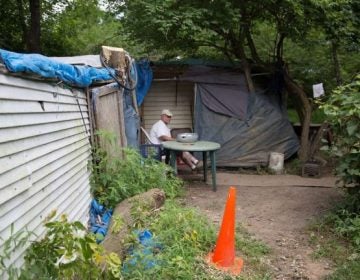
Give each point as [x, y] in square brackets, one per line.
[276, 162]
[187, 137]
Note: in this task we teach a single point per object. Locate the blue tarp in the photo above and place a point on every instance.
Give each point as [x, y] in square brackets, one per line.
[100, 219]
[143, 253]
[81, 76]
[145, 76]
[74, 75]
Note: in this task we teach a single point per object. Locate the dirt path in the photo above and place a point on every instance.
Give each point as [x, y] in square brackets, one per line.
[275, 209]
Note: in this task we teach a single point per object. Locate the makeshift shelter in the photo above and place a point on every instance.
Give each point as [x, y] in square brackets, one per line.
[49, 109]
[215, 103]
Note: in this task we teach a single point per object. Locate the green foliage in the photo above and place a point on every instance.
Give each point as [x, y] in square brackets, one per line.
[186, 237]
[345, 220]
[337, 237]
[17, 240]
[348, 271]
[310, 30]
[113, 178]
[65, 252]
[67, 28]
[81, 27]
[343, 113]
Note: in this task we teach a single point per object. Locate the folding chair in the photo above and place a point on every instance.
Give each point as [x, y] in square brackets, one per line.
[151, 149]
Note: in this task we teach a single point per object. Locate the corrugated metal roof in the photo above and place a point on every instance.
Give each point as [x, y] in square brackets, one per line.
[44, 153]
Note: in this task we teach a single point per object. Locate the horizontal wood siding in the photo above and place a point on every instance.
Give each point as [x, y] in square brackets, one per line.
[175, 96]
[44, 153]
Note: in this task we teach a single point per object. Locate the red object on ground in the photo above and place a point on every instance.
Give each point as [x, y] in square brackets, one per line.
[223, 257]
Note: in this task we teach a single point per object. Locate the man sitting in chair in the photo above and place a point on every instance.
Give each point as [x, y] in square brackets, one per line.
[160, 132]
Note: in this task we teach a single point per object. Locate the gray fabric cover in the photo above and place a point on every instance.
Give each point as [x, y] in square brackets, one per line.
[247, 141]
[226, 100]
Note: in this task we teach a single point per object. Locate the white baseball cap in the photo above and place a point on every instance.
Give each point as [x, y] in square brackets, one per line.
[166, 112]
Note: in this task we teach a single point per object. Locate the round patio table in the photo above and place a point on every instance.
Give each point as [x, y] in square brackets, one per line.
[198, 146]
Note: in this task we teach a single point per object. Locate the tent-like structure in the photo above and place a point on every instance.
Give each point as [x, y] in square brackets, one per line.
[249, 126]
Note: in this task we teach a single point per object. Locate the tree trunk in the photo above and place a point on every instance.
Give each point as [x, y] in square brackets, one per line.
[21, 19]
[245, 65]
[303, 107]
[336, 62]
[33, 36]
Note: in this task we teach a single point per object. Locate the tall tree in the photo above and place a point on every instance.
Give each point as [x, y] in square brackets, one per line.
[33, 33]
[230, 28]
[60, 27]
[222, 25]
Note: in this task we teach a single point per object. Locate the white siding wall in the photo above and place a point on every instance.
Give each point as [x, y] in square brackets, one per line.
[44, 152]
[178, 98]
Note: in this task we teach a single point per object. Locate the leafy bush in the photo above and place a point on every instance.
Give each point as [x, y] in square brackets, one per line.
[343, 113]
[65, 252]
[113, 179]
[345, 220]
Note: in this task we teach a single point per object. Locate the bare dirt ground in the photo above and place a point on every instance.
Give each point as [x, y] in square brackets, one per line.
[276, 209]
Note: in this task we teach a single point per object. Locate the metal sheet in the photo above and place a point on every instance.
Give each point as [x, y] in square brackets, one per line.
[178, 98]
[44, 153]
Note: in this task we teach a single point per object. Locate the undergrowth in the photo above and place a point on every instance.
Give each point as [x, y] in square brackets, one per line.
[337, 238]
[114, 179]
[182, 236]
[186, 237]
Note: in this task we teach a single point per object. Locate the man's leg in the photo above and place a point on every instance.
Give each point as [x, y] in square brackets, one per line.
[189, 159]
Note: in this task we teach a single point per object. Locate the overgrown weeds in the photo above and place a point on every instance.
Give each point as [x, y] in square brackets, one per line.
[114, 179]
[186, 237]
[182, 235]
[337, 237]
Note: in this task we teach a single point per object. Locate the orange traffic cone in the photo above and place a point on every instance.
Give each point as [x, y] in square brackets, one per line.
[223, 257]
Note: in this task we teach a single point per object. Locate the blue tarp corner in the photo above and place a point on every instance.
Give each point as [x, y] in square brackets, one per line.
[100, 218]
[143, 253]
[145, 76]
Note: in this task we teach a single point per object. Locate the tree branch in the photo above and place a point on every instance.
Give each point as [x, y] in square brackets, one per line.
[252, 47]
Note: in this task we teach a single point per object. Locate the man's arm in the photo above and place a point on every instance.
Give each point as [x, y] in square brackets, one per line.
[166, 138]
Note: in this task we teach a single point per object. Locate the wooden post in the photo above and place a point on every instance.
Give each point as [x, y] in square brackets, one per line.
[116, 58]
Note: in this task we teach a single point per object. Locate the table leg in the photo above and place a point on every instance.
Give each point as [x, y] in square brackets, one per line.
[213, 169]
[205, 165]
[173, 161]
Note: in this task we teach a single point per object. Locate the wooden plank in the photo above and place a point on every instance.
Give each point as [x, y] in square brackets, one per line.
[109, 116]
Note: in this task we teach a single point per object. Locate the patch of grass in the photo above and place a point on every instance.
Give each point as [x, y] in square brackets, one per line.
[253, 252]
[187, 237]
[336, 237]
[293, 166]
[348, 271]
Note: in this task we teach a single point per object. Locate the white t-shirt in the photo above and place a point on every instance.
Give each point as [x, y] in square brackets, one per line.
[159, 129]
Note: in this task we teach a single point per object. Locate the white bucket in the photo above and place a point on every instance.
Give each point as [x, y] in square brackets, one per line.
[276, 162]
